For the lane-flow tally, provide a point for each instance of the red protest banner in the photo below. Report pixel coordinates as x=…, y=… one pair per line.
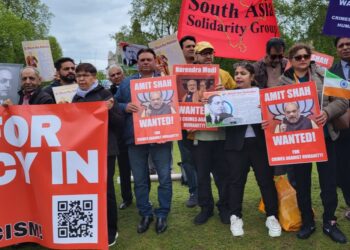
x=192, y=81
x=53, y=173
x=158, y=120
x=292, y=136
x=237, y=29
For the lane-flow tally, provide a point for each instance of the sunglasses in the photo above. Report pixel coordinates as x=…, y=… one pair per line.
x=274, y=57
x=300, y=57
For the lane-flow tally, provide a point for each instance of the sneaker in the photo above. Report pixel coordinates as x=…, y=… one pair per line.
x=274, y=226
x=306, y=231
x=114, y=241
x=192, y=200
x=203, y=216
x=334, y=232
x=236, y=226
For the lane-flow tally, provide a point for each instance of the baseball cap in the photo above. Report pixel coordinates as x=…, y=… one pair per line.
x=200, y=46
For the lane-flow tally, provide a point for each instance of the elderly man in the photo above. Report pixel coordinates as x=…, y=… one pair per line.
x=65, y=72
x=138, y=154
x=208, y=151
x=217, y=110
x=130, y=56
x=271, y=67
x=293, y=120
x=342, y=69
x=116, y=76
x=31, y=92
x=157, y=106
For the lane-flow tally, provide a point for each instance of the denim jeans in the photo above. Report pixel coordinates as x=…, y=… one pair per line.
x=161, y=156
x=188, y=162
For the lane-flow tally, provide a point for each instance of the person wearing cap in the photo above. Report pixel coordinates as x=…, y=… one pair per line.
x=342, y=69
x=208, y=151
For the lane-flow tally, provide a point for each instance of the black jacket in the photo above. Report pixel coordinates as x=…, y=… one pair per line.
x=338, y=70
x=48, y=88
x=38, y=97
x=235, y=137
x=115, y=116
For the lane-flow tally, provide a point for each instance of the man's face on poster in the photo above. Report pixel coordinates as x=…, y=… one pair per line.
x=192, y=86
x=292, y=112
x=156, y=100
x=217, y=106
x=130, y=53
x=5, y=82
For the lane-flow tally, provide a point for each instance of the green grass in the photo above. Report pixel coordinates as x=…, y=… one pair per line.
x=183, y=234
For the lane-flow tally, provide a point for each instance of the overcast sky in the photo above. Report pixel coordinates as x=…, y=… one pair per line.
x=83, y=27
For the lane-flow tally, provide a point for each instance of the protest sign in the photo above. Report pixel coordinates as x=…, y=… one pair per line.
x=168, y=53
x=37, y=54
x=192, y=81
x=65, y=93
x=237, y=29
x=129, y=54
x=53, y=171
x=338, y=18
x=158, y=120
x=292, y=135
x=232, y=107
x=9, y=81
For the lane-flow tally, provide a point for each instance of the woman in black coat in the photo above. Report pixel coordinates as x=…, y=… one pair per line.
x=90, y=91
x=245, y=147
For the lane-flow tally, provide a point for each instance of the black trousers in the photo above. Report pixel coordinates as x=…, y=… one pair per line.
x=209, y=158
x=125, y=173
x=343, y=164
x=112, y=214
x=327, y=179
x=239, y=163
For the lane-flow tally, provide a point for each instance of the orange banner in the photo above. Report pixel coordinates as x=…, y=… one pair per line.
x=53, y=171
x=192, y=81
x=236, y=28
x=158, y=120
x=292, y=135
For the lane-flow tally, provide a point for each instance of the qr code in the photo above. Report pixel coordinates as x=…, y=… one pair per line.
x=75, y=218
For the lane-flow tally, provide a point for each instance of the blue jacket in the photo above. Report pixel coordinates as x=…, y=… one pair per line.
x=123, y=96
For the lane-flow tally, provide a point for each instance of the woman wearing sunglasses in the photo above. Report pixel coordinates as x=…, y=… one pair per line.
x=244, y=147
x=304, y=70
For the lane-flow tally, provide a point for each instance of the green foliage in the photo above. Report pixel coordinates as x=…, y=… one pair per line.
x=101, y=75
x=23, y=20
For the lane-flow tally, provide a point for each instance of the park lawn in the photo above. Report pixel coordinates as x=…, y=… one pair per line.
x=182, y=234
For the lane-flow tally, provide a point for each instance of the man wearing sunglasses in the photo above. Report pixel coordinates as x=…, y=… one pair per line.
x=342, y=69
x=65, y=71
x=271, y=67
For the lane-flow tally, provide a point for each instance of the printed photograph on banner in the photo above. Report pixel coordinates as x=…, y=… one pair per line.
x=168, y=53
x=192, y=81
x=232, y=107
x=129, y=54
x=158, y=119
x=65, y=174
x=37, y=54
x=9, y=82
x=293, y=135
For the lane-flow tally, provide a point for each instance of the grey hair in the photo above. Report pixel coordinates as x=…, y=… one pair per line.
x=36, y=71
x=117, y=66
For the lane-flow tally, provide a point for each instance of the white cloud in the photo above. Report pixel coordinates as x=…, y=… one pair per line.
x=83, y=28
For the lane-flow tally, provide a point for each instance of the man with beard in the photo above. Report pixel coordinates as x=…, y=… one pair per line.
x=157, y=106
x=31, y=92
x=65, y=70
x=293, y=120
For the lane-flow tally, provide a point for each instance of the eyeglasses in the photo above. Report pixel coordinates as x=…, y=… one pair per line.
x=300, y=57
x=342, y=45
x=82, y=75
x=274, y=57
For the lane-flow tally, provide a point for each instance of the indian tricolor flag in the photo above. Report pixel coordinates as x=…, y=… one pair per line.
x=336, y=86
